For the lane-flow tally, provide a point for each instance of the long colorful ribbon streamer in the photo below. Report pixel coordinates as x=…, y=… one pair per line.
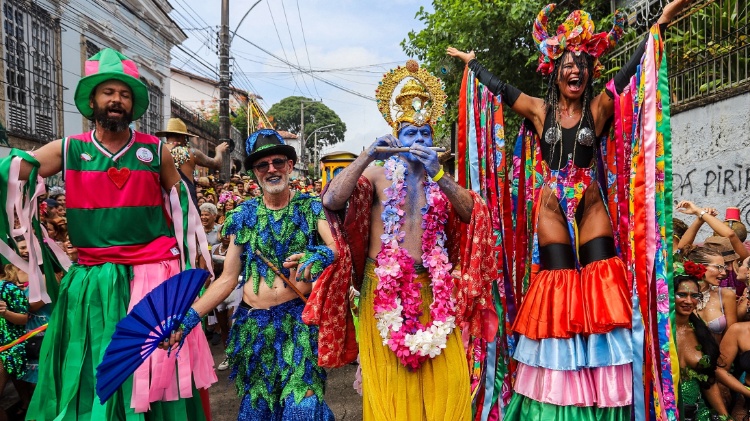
x=28, y=335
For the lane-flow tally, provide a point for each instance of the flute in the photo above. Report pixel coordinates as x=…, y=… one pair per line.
x=397, y=150
x=280, y=275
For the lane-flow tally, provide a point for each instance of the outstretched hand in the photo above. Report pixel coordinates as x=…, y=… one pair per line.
x=465, y=57
x=223, y=146
x=672, y=9
x=292, y=263
x=388, y=141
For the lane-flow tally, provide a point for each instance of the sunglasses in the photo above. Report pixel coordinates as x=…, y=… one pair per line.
x=277, y=163
x=720, y=268
x=684, y=295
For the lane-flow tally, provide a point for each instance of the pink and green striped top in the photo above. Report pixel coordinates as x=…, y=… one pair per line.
x=115, y=205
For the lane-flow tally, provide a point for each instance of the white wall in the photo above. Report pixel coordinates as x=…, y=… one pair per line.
x=194, y=93
x=198, y=94
x=711, y=157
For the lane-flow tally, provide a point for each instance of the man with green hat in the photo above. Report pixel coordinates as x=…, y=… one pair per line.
x=115, y=178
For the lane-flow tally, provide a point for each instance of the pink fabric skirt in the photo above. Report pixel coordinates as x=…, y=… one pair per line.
x=604, y=387
x=162, y=377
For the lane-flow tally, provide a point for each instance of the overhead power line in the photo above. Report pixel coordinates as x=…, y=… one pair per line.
x=286, y=58
x=326, y=81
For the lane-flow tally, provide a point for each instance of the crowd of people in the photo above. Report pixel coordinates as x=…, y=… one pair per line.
x=712, y=316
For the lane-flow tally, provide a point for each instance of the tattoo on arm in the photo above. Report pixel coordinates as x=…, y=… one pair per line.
x=459, y=197
x=343, y=184
x=204, y=161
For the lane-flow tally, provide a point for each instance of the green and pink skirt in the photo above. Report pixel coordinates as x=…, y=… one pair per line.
x=92, y=300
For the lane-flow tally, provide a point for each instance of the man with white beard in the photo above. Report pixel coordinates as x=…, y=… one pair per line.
x=272, y=354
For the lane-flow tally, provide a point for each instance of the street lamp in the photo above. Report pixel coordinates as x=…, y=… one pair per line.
x=242, y=20
x=303, y=140
x=317, y=152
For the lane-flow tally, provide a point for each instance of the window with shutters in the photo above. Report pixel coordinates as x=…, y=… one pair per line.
x=32, y=71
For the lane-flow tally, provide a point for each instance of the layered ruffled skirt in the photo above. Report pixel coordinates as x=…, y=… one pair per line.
x=575, y=351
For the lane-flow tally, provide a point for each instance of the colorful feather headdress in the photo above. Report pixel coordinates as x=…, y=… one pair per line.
x=576, y=35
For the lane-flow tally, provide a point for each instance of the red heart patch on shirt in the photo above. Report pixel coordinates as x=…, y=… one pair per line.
x=119, y=177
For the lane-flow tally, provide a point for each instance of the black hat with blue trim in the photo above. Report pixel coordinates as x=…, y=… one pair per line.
x=266, y=142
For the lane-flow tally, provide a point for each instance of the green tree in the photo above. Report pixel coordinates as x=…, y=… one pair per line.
x=285, y=115
x=238, y=118
x=499, y=31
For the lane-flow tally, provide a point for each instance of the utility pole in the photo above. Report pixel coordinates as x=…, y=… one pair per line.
x=302, y=139
x=224, y=80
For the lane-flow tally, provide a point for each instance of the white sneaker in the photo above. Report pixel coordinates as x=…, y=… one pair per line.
x=224, y=365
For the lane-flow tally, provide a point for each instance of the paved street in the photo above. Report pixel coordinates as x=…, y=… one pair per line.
x=345, y=403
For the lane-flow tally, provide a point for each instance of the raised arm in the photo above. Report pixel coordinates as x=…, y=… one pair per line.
x=342, y=186
x=524, y=105
x=709, y=216
x=604, y=102
x=215, y=162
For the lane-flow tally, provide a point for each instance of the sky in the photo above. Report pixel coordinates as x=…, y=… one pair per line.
x=350, y=43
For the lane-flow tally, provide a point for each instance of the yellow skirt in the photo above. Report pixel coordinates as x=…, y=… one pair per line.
x=438, y=391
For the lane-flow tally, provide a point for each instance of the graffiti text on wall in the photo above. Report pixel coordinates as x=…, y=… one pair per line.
x=719, y=180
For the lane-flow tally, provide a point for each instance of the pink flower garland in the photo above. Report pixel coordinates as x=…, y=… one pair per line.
x=398, y=305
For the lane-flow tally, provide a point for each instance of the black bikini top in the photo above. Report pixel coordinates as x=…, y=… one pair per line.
x=742, y=362
x=577, y=143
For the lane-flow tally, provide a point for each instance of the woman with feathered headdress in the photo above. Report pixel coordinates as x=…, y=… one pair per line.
x=575, y=350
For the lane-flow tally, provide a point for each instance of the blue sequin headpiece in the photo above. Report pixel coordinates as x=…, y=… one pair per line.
x=266, y=142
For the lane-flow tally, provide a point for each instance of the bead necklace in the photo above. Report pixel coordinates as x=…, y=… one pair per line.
x=706, y=296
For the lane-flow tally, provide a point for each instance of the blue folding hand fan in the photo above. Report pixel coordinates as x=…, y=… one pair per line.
x=150, y=321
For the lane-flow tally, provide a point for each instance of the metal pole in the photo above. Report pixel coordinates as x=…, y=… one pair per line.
x=315, y=163
x=224, y=80
x=302, y=134
x=249, y=113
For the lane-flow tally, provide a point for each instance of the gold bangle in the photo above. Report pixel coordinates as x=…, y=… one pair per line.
x=439, y=175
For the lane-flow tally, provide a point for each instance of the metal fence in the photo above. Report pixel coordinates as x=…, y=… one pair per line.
x=707, y=53
x=198, y=123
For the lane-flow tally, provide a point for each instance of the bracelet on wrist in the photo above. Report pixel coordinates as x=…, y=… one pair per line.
x=700, y=215
x=439, y=175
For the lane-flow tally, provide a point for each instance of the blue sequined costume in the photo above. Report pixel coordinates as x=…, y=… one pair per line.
x=272, y=353
x=278, y=234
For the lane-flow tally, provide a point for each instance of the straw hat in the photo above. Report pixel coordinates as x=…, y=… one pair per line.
x=106, y=65
x=174, y=126
x=724, y=245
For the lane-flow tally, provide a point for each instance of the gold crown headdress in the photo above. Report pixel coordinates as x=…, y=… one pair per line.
x=421, y=100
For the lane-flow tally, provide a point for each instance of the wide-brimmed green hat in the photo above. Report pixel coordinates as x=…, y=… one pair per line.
x=106, y=65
